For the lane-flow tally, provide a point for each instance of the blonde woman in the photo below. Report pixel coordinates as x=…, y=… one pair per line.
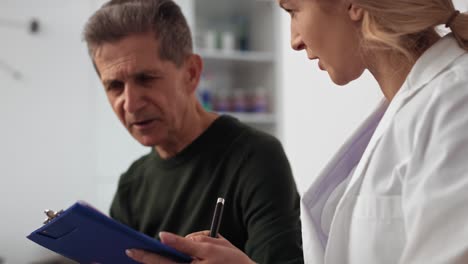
x=397, y=190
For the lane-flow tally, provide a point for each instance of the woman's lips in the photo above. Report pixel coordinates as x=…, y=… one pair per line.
x=321, y=66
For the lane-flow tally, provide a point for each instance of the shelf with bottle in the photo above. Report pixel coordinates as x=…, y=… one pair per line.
x=251, y=105
x=238, y=47
x=235, y=55
x=233, y=31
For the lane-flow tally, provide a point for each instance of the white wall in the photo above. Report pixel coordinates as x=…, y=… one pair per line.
x=56, y=145
x=46, y=155
x=461, y=5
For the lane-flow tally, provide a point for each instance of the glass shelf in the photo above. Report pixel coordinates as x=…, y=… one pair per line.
x=236, y=55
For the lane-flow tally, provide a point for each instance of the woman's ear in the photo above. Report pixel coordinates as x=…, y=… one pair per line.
x=355, y=12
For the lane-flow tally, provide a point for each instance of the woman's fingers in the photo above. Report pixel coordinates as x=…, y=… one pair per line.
x=200, y=233
x=203, y=236
x=203, y=249
x=184, y=245
x=198, y=246
x=211, y=240
x=146, y=257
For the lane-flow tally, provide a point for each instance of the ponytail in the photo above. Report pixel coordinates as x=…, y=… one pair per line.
x=458, y=24
x=404, y=25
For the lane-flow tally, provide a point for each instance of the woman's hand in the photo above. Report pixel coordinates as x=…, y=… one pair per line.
x=203, y=249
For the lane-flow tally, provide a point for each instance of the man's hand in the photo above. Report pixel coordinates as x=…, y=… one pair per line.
x=203, y=249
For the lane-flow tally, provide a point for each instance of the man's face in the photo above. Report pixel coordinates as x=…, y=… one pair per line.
x=149, y=95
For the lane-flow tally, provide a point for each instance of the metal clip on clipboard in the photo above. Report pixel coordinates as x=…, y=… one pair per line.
x=51, y=215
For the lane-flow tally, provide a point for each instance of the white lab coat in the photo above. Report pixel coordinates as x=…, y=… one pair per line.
x=397, y=191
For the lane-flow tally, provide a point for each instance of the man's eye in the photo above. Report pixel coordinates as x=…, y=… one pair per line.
x=145, y=79
x=115, y=85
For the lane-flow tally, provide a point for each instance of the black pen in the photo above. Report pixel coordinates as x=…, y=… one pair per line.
x=216, y=222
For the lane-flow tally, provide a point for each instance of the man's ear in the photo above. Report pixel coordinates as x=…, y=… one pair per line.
x=355, y=12
x=194, y=68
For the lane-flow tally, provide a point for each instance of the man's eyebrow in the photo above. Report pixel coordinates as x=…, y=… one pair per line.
x=148, y=72
x=109, y=81
x=136, y=74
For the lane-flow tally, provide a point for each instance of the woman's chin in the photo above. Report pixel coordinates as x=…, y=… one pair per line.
x=343, y=79
x=339, y=81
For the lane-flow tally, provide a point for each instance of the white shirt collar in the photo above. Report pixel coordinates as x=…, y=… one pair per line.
x=434, y=61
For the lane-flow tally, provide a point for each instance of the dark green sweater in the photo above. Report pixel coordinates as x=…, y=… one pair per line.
x=231, y=160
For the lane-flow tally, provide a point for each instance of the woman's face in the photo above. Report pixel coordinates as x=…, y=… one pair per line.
x=328, y=32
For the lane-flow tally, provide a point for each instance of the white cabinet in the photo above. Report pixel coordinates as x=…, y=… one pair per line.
x=236, y=40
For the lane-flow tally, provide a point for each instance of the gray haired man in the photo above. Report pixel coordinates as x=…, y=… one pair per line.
x=142, y=52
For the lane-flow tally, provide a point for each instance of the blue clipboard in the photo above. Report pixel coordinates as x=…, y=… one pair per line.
x=86, y=235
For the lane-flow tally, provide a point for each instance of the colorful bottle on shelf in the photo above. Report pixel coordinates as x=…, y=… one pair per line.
x=205, y=92
x=259, y=100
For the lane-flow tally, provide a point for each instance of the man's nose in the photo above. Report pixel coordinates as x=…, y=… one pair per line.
x=134, y=98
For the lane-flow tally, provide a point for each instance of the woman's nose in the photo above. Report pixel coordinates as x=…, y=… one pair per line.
x=296, y=42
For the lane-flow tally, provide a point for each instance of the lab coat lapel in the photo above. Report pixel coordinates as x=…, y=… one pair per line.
x=379, y=131
x=336, y=250
x=425, y=69
x=314, y=199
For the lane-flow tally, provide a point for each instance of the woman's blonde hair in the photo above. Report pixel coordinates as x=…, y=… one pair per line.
x=404, y=25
